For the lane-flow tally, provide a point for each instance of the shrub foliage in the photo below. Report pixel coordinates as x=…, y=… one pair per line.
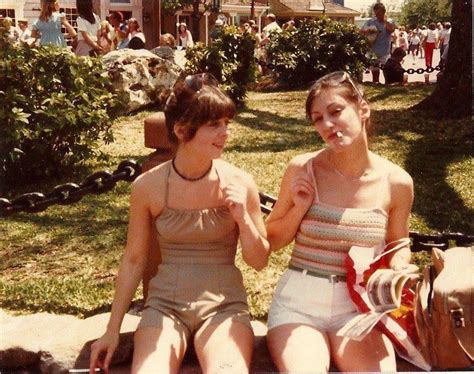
x=315, y=48
x=230, y=58
x=55, y=107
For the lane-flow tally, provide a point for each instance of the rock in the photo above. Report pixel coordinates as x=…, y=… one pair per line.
x=173, y=55
x=141, y=74
x=56, y=343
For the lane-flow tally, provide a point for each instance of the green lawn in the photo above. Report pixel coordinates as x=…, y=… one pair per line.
x=64, y=260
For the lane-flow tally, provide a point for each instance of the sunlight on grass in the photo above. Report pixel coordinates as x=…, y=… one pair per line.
x=65, y=259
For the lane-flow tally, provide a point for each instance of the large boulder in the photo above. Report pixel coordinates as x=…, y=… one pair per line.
x=142, y=75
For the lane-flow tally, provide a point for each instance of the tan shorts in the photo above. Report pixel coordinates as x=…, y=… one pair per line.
x=191, y=297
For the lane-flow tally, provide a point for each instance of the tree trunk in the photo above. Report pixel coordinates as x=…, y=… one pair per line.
x=452, y=98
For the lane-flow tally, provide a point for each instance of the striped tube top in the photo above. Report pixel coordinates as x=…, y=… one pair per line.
x=327, y=233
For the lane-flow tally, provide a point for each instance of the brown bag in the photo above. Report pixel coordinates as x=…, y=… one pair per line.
x=444, y=310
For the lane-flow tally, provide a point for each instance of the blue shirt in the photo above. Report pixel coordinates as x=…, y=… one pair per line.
x=50, y=30
x=381, y=46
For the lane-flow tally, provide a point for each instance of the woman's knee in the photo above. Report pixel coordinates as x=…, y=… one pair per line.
x=298, y=348
x=158, y=350
x=225, y=347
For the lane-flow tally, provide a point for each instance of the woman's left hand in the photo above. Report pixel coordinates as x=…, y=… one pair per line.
x=235, y=197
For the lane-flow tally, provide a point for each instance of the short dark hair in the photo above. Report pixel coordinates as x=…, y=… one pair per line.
x=399, y=52
x=192, y=109
x=378, y=6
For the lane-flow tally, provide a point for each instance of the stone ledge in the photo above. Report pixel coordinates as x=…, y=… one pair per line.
x=53, y=344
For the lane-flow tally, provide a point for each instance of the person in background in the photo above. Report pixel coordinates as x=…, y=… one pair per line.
x=270, y=28
x=393, y=71
x=48, y=27
x=88, y=28
x=105, y=40
x=430, y=44
x=217, y=30
x=13, y=34
x=330, y=200
x=185, y=39
x=382, y=28
x=414, y=47
x=402, y=39
x=199, y=206
x=119, y=32
x=25, y=33
x=135, y=36
x=445, y=35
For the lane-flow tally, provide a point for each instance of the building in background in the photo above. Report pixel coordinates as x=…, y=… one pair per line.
x=154, y=22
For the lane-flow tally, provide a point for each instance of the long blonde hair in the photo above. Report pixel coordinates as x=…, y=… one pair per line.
x=47, y=9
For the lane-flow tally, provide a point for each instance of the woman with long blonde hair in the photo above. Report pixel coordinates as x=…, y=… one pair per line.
x=47, y=28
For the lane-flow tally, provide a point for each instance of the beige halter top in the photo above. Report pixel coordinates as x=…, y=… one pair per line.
x=196, y=236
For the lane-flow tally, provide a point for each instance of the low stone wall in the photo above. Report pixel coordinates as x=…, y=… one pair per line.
x=54, y=344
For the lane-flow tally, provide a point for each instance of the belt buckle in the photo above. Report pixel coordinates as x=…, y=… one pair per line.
x=334, y=278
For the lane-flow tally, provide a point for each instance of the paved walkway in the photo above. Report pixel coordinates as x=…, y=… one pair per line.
x=408, y=64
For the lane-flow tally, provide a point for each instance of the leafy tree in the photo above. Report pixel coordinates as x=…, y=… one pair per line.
x=315, y=48
x=423, y=12
x=230, y=58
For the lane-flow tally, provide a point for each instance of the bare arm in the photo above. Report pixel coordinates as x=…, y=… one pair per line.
x=89, y=41
x=390, y=27
x=241, y=197
x=296, y=196
x=70, y=30
x=255, y=247
x=139, y=240
x=399, y=216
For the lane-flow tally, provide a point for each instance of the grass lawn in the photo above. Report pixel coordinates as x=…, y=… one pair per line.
x=65, y=259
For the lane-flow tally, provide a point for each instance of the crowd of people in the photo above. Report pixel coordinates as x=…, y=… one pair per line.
x=391, y=44
x=93, y=36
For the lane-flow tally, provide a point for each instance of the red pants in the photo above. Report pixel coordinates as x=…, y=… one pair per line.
x=429, y=48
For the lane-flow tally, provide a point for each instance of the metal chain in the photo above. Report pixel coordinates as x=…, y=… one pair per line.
x=70, y=193
x=415, y=71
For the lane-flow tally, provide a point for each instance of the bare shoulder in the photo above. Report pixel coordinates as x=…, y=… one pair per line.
x=151, y=181
x=399, y=180
x=298, y=163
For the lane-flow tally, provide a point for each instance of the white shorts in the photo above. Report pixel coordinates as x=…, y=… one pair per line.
x=306, y=299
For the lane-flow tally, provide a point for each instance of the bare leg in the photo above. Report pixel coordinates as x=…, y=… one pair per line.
x=374, y=353
x=224, y=347
x=299, y=348
x=158, y=350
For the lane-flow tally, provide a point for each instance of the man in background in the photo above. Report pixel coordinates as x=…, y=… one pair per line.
x=380, y=28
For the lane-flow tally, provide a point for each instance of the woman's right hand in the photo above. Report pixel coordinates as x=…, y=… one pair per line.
x=302, y=191
x=107, y=344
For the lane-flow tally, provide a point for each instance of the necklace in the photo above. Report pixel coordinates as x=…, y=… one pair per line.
x=187, y=178
x=342, y=175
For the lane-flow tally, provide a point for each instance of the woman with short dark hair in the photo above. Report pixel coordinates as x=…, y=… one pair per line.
x=198, y=206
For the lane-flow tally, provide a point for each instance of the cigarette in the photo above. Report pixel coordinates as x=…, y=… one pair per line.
x=82, y=370
x=339, y=134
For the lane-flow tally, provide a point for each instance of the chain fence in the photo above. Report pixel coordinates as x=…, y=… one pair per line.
x=128, y=170
x=70, y=193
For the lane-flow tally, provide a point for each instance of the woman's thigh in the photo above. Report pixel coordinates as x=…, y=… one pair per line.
x=299, y=348
x=374, y=353
x=158, y=350
x=224, y=347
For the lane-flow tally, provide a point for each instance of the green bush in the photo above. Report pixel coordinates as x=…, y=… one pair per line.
x=315, y=48
x=230, y=58
x=55, y=109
